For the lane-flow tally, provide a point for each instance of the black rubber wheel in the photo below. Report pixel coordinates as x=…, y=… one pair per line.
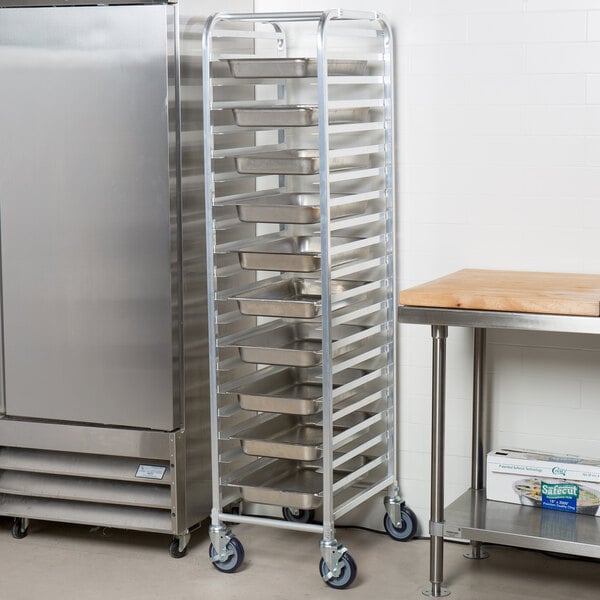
x=295, y=515
x=18, y=531
x=174, y=551
x=408, y=529
x=347, y=575
x=233, y=563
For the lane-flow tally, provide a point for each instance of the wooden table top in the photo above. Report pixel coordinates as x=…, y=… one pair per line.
x=512, y=291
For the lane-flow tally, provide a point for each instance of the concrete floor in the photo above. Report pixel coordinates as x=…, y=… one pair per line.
x=74, y=562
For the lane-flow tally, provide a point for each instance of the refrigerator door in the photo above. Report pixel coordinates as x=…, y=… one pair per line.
x=86, y=214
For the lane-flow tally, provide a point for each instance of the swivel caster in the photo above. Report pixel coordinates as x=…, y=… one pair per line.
x=408, y=529
x=233, y=562
x=174, y=551
x=347, y=574
x=20, y=528
x=296, y=515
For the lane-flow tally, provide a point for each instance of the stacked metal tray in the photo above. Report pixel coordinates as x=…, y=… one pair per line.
x=297, y=254
x=294, y=297
x=292, y=67
x=291, y=394
x=294, y=115
x=289, y=436
x=284, y=483
x=296, y=161
x=290, y=344
x=290, y=390
x=292, y=207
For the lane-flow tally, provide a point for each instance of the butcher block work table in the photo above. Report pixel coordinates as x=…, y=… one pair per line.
x=513, y=291
x=482, y=300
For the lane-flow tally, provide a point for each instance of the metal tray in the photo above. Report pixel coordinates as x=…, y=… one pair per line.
x=293, y=208
x=292, y=67
x=295, y=115
x=291, y=298
x=284, y=483
x=300, y=254
x=289, y=344
x=289, y=436
x=295, y=162
x=291, y=391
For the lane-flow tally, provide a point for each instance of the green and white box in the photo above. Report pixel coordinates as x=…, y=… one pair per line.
x=569, y=483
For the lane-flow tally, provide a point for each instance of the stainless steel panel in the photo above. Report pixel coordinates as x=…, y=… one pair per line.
x=85, y=214
x=193, y=475
x=90, y=440
x=81, y=465
x=102, y=48
x=101, y=515
x=293, y=67
x=82, y=489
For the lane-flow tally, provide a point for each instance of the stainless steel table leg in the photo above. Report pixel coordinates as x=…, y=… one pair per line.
x=478, y=432
x=439, y=334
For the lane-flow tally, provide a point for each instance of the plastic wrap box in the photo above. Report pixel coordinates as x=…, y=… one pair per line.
x=568, y=483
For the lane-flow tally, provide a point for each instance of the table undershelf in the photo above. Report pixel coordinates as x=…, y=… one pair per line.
x=473, y=517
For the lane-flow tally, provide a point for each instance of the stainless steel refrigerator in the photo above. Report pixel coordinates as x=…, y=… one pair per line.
x=104, y=390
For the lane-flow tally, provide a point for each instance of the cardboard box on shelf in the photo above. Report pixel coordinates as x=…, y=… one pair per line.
x=544, y=480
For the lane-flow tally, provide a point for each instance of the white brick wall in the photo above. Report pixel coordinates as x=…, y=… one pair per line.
x=498, y=110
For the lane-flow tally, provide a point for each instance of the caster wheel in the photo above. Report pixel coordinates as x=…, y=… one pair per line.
x=233, y=563
x=408, y=529
x=18, y=531
x=346, y=576
x=174, y=551
x=295, y=515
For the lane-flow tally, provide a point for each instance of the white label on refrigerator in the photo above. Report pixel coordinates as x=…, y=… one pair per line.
x=150, y=472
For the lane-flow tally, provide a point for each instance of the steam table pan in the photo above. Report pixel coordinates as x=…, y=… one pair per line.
x=291, y=391
x=289, y=344
x=293, y=67
x=293, y=208
x=296, y=254
x=286, y=483
x=295, y=162
x=289, y=436
x=290, y=298
x=295, y=115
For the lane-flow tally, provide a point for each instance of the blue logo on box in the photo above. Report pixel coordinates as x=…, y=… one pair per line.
x=560, y=496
